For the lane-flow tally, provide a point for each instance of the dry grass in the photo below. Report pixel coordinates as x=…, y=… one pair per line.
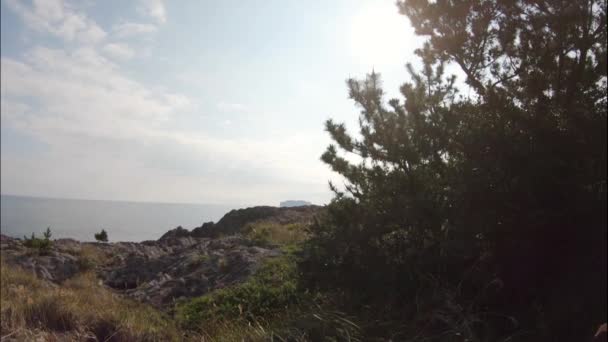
x=230, y=331
x=79, y=308
x=90, y=256
x=276, y=233
x=298, y=324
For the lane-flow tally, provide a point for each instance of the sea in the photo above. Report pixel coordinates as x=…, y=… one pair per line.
x=81, y=219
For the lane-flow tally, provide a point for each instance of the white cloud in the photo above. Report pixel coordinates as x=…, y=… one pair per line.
x=12, y=111
x=154, y=9
x=178, y=100
x=119, y=51
x=116, y=135
x=108, y=135
x=83, y=92
x=57, y=18
x=130, y=29
x=231, y=107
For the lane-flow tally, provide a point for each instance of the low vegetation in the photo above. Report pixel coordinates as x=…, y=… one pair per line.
x=90, y=257
x=273, y=233
x=273, y=288
x=269, y=305
x=77, y=310
x=41, y=246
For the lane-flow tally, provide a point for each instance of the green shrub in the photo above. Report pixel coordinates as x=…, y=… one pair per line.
x=504, y=185
x=199, y=259
x=42, y=246
x=101, y=236
x=269, y=306
x=272, y=288
x=270, y=233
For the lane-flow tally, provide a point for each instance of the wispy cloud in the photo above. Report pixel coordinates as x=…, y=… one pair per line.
x=154, y=9
x=57, y=18
x=83, y=92
x=231, y=107
x=131, y=29
x=116, y=131
x=119, y=51
x=112, y=135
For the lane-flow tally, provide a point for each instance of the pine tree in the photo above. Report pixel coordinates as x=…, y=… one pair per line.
x=101, y=236
x=512, y=176
x=47, y=234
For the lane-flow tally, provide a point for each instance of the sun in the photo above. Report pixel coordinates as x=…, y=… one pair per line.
x=380, y=37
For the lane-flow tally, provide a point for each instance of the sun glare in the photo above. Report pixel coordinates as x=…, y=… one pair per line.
x=380, y=37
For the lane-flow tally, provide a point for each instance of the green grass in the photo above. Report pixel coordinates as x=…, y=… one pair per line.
x=41, y=246
x=271, y=289
x=270, y=233
x=270, y=305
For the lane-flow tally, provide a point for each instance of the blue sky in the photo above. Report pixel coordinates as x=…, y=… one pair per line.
x=185, y=101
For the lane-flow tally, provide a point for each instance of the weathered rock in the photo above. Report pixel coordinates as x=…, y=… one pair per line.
x=181, y=264
x=156, y=272
x=186, y=272
x=175, y=233
x=236, y=221
x=55, y=265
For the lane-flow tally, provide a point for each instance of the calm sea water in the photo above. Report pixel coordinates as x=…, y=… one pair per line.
x=80, y=219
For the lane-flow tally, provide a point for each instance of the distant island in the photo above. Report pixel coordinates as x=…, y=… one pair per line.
x=294, y=203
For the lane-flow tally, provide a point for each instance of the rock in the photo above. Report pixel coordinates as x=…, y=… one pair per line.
x=155, y=272
x=175, y=233
x=204, y=230
x=236, y=221
x=187, y=272
x=181, y=264
x=55, y=265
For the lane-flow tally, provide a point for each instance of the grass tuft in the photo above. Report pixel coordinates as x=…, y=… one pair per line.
x=271, y=233
x=80, y=306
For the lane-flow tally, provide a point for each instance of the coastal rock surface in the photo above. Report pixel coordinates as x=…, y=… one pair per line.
x=55, y=265
x=181, y=264
x=156, y=272
x=236, y=221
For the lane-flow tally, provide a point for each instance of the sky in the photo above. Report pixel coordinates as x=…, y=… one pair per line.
x=186, y=101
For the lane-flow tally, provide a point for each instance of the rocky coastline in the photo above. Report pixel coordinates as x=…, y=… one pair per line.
x=181, y=264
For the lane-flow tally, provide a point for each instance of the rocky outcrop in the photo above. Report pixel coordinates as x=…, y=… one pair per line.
x=186, y=272
x=175, y=233
x=54, y=265
x=236, y=221
x=157, y=272
x=181, y=264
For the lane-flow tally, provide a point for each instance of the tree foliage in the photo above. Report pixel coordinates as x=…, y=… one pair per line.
x=43, y=245
x=101, y=236
x=505, y=186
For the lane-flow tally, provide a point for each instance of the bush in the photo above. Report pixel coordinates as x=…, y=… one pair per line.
x=270, y=233
x=268, y=306
x=90, y=256
x=272, y=288
x=504, y=186
x=43, y=245
x=101, y=236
